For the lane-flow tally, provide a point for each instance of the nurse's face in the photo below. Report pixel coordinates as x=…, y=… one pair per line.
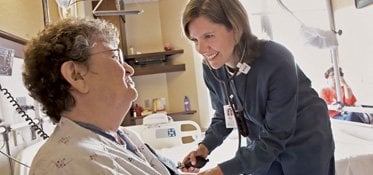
x=213, y=41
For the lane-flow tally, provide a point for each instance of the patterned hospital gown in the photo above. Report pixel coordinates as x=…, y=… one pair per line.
x=72, y=149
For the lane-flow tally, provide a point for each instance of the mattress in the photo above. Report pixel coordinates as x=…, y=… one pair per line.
x=354, y=147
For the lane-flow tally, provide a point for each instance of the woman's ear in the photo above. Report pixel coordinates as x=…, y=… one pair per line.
x=72, y=74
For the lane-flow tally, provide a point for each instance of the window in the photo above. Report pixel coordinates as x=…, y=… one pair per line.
x=268, y=15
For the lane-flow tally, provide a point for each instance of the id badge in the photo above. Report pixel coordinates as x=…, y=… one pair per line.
x=230, y=121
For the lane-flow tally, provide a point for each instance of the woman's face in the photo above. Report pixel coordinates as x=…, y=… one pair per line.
x=330, y=80
x=108, y=77
x=213, y=41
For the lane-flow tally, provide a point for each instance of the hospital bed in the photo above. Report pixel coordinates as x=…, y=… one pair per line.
x=353, y=154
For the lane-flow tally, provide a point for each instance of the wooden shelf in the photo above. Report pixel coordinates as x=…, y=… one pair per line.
x=172, y=114
x=157, y=68
x=154, y=63
x=181, y=113
x=153, y=54
x=9, y=40
x=12, y=38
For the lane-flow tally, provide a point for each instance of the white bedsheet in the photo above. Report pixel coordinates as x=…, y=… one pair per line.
x=353, y=153
x=26, y=156
x=354, y=150
x=354, y=147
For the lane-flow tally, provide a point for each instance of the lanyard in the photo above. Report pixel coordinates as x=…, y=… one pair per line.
x=238, y=114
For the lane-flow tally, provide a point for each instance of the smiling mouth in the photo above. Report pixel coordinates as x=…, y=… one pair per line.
x=209, y=57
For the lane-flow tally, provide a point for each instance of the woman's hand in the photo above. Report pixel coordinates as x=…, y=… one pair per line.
x=343, y=82
x=191, y=157
x=213, y=171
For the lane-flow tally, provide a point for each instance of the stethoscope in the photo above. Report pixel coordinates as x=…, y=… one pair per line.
x=242, y=67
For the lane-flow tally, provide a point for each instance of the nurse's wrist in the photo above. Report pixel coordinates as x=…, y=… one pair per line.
x=203, y=150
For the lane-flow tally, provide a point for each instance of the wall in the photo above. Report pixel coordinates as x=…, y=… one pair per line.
x=355, y=47
x=159, y=24
x=24, y=18
x=190, y=82
x=144, y=40
x=144, y=30
x=21, y=24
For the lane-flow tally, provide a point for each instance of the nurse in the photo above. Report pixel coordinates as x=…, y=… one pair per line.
x=286, y=123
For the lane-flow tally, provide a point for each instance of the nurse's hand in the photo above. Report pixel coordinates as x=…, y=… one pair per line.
x=213, y=171
x=191, y=157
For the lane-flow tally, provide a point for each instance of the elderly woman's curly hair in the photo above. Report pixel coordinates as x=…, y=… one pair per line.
x=69, y=39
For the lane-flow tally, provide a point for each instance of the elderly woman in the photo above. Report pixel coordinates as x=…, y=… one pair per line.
x=76, y=70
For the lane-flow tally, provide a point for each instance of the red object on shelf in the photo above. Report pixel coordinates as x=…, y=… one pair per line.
x=138, y=110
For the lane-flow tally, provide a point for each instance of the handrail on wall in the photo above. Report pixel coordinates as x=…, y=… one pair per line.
x=12, y=37
x=17, y=43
